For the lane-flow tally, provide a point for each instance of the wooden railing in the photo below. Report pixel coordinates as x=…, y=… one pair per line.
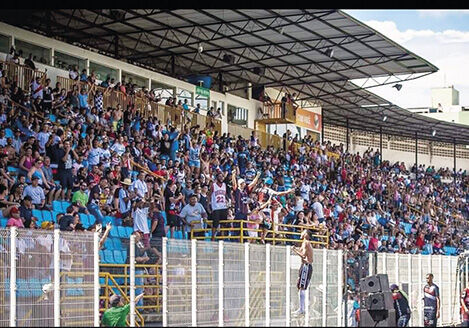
x=23, y=75
x=146, y=107
x=275, y=111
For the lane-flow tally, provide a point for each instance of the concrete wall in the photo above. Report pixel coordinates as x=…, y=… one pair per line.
x=445, y=96
x=409, y=158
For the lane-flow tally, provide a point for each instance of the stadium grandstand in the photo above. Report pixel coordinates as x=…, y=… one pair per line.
x=182, y=153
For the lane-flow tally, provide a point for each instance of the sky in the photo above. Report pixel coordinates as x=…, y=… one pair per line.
x=439, y=36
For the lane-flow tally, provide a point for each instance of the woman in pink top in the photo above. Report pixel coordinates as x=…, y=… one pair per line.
x=27, y=161
x=15, y=219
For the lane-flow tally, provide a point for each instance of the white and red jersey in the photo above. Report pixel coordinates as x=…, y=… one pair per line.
x=218, y=199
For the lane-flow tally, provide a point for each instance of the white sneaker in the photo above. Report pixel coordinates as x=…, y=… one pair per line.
x=298, y=313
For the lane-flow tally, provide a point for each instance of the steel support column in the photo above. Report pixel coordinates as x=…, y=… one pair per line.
x=380, y=144
x=322, y=125
x=454, y=158
x=347, y=136
x=416, y=154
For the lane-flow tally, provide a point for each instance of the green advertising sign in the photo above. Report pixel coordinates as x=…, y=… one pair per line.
x=201, y=91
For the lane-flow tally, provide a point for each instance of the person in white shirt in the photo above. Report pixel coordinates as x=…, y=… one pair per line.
x=43, y=138
x=318, y=208
x=305, y=189
x=36, y=88
x=140, y=216
x=139, y=186
x=94, y=156
x=118, y=146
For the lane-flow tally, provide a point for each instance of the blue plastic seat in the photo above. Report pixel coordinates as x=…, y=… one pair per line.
x=79, y=290
x=54, y=215
x=108, y=219
x=57, y=206
x=36, y=287
x=12, y=169
x=102, y=281
x=124, y=254
x=365, y=243
x=108, y=256
x=121, y=232
x=108, y=244
x=129, y=231
x=9, y=133
x=178, y=234
x=84, y=220
x=118, y=258
x=23, y=289
x=3, y=222
x=450, y=250
x=117, y=243
x=47, y=216
x=65, y=205
x=37, y=214
x=114, y=232
x=163, y=214
x=91, y=219
x=101, y=256
x=52, y=118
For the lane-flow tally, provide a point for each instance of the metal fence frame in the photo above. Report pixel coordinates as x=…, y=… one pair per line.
x=13, y=237
x=323, y=306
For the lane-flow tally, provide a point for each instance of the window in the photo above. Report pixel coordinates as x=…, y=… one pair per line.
x=141, y=82
x=4, y=43
x=237, y=115
x=183, y=94
x=162, y=90
x=64, y=61
x=221, y=105
x=40, y=54
x=203, y=101
x=102, y=72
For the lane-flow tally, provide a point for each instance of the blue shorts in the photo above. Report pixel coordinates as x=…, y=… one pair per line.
x=194, y=163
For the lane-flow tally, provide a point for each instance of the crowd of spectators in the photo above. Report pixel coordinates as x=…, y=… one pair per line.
x=88, y=156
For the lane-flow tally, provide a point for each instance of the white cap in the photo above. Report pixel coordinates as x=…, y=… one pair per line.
x=241, y=181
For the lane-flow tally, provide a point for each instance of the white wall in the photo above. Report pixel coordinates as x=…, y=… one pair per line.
x=72, y=50
x=409, y=158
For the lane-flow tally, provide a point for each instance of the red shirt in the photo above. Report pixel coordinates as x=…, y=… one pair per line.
x=465, y=298
x=419, y=242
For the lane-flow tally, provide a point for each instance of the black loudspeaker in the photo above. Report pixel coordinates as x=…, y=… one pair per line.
x=378, y=318
x=379, y=301
x=374, y=284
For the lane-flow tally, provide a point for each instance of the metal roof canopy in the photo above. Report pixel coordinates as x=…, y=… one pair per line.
x=292, y=48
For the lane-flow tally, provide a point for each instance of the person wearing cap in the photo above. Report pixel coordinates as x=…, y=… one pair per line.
x=241, y=197
x=401, y=305
x=116, y=315
x=80, y=197
x=26, y=211
x=36, y=193
x=125, y=203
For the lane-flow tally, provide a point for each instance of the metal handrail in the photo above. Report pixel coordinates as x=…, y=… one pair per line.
x=320, y=233
x=108, y=277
